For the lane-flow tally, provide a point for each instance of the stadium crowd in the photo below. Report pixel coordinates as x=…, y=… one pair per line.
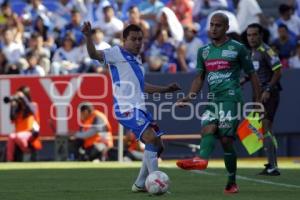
x=42, y=37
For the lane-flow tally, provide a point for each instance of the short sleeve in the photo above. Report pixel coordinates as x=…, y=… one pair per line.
x=112, y=55
x=245, y=60
x=200, y=61
x=274, y=60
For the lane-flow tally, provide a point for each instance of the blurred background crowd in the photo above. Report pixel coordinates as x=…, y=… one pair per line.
x=43, y=37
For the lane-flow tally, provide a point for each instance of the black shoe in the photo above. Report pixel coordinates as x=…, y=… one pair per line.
x=269, y=171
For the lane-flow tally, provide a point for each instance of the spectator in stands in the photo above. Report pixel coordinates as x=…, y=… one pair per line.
x=168, y=20
x=203, y=8
x=94, y=13
x=94, y=138
x=134, y=17
x=10, y=20
x=11, y=49
x=149, y=10
x=25, y=116
x=40, y=27
x=160, y=56
x=191, y=44
x=62, y=15
x=33, y=68
x=287, y=18
x=125, y=7
x=74, y=26
x=36, y=44
x=183, y=10
x=248, y=12
x=294, y=62
x=3, y=64
x=284, y=45
x=67, y=58
x=95, y=10
x=99, y=43
x=111, y=26
x=34, y=9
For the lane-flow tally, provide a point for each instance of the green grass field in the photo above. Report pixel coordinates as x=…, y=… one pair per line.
x=109, y=181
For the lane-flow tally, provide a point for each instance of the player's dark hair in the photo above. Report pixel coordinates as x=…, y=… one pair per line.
x=131, y=28
x=258, y=26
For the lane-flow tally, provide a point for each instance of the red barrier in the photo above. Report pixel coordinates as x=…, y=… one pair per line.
x=58, y=98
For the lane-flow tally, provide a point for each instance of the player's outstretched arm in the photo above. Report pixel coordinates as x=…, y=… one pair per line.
x=93, y=53
x=195, y=88
x=173, y=87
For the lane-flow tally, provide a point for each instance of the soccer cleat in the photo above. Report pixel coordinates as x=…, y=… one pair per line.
x=137, y=189
x=231, y=189
x=195, y=163
x=268, y=171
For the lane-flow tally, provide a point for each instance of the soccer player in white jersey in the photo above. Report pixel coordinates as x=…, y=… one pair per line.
x=127, y=76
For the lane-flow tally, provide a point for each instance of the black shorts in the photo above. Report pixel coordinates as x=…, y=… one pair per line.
x=271, y=105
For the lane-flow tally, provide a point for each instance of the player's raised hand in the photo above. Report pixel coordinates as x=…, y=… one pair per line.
x=87, y=29
x=173, y=87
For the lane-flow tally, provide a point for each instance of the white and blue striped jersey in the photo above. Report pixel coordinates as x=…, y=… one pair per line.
x=127, y=74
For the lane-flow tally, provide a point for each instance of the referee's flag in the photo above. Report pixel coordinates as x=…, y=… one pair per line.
x=250, y=132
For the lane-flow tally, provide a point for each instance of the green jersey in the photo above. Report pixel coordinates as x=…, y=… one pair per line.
x=222, y=65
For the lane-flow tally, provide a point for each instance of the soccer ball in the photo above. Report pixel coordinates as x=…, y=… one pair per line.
x=157, y=183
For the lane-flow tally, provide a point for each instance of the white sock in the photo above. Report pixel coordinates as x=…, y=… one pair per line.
x=151, y=160
x=140, y=180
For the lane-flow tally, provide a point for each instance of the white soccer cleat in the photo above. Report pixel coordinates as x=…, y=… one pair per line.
x=136, y=189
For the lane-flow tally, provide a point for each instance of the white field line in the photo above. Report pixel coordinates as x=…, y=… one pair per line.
x=250, y=179
x=267, y=182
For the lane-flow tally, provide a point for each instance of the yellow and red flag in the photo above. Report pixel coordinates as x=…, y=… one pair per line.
x=250, y=132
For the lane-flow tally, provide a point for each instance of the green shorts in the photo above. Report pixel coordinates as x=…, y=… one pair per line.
x=225, y=115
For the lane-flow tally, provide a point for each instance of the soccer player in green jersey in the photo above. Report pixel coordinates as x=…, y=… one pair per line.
x=221, y=61
x=268, y=68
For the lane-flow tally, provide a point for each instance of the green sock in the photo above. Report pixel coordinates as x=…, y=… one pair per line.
x=230, y=162
x=207, y=145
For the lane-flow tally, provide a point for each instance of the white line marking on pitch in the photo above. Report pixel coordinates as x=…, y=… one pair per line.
x=267, y=182
x=249, y=179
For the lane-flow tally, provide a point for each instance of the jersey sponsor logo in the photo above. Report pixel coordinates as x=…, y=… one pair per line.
x=205, y=53
x=224, y=125
x=217, y=64
x=217, y=76
x=229, y=54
